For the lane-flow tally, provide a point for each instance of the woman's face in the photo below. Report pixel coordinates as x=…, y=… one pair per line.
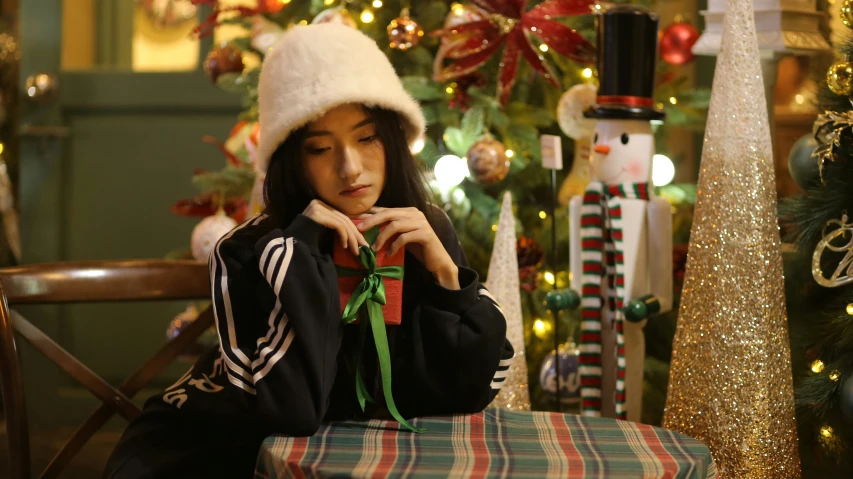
x=345, y=159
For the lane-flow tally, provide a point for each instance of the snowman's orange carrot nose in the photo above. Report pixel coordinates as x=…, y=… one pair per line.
x=603, y=149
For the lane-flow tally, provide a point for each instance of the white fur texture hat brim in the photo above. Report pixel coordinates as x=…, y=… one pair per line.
x=315, y=68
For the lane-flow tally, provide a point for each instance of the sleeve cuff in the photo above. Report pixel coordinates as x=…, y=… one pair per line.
x=455, y=301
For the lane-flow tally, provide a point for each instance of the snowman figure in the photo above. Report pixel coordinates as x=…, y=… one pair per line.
x=621, y=234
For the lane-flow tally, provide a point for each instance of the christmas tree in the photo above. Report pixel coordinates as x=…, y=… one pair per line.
x=492, y=76
x=819, y=286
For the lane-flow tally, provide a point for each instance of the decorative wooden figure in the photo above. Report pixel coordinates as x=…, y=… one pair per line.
x=621, y=234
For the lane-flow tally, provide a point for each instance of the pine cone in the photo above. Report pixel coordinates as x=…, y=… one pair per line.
x=530, y=253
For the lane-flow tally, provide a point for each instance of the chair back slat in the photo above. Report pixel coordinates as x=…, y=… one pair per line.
x=105, y=281
x=132, y=385
x=77, y=370
x=87, y=282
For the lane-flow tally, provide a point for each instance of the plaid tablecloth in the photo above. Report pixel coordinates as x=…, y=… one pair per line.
x=494, y=443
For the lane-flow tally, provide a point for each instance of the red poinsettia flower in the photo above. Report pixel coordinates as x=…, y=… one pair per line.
x=212, y=21
x=473, y=43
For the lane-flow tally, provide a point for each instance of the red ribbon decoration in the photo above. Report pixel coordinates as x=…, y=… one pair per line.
x=473, y=43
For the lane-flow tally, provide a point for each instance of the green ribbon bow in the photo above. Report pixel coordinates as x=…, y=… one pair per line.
x=369, y=296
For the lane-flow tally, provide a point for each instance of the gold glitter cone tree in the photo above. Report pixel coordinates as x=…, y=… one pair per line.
x=730, y=383
x=503, y=283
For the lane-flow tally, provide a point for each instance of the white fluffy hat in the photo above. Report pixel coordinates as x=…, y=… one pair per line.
x=315, y=68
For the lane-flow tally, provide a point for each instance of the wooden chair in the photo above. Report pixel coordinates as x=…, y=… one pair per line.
x=87, y=282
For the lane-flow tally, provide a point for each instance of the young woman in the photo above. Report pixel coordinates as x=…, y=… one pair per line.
x=336, y=123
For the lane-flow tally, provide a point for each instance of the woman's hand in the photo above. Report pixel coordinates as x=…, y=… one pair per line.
x=416, y=234
x=323, y=214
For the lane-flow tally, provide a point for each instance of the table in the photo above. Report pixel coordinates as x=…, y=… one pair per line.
x=493, y=443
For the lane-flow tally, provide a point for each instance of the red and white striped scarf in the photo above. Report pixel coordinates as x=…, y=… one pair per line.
x=602, y=255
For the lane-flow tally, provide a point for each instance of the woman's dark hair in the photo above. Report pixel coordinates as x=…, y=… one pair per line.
x=287, y=192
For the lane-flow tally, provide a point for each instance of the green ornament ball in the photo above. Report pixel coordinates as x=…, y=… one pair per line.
x=636, y=311
x=562, y=299
x=554, y=300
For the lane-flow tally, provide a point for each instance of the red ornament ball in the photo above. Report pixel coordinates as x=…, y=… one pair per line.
x=271, y=6
x=676, y=42
x=223, y=60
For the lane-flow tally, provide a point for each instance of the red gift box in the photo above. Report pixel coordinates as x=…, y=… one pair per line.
x=393, y=308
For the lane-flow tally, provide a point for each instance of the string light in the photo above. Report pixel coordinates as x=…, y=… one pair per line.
x=367, y=16
x=587, y=73
x=303, y=22
x=850, y=309
x=458, y=8
x=543, y=47
x=494, y=228
x=663, y=171
x=817, y=366
x=377, y=3
x=673, y=100
x=449, y=90
x=541, y=328
x=325, y=2
x=826, y=431
x=549, y=277
x=418, y=144
x=449, y=171
x=510, y=153
x=543, y=215
x=799, y=99
x=834, y=375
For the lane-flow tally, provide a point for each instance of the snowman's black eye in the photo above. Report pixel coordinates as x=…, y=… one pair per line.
x=624, y=138
x=595, y=139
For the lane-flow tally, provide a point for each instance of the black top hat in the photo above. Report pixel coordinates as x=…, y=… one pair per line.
x=627, y=50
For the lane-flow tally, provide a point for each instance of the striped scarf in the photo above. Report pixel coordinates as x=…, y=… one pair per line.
x=602, y=255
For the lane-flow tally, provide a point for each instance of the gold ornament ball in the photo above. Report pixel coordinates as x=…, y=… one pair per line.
x=847, y=13
x=839, y=78
x=404, y=33
x=487, y=161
